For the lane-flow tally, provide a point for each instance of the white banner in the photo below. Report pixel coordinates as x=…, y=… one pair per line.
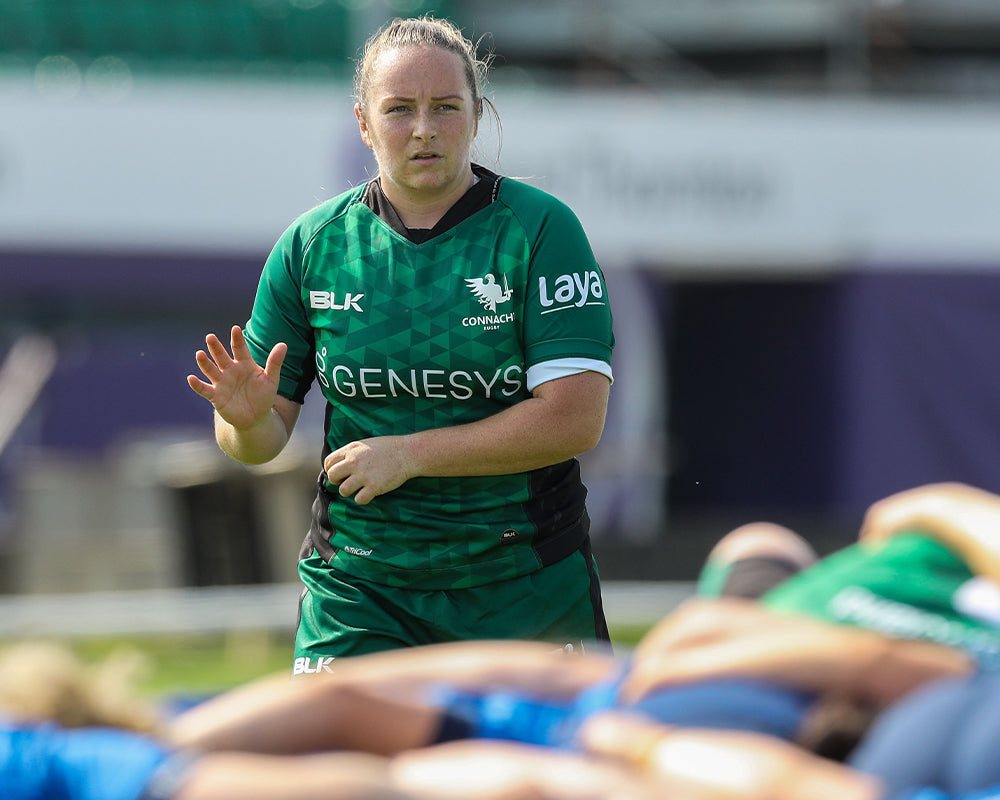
x=686, y=181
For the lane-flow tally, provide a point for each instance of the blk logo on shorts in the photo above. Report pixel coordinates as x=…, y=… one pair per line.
x=303, y=666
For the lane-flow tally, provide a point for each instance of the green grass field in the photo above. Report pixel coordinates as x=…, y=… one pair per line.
x=206, y=664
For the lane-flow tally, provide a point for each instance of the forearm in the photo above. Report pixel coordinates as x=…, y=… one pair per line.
x=534, y=667
x=326, y=776
x=862, y=665
x=516, y=440
x=383, y=695
x=722, y=765
x=254, y=445
x=789, y=649
x=283, y=717
x=819, y=779
x=262, y=440
x=887, y=669
x=557, y=424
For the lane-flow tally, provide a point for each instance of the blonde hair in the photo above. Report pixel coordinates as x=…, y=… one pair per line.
x=42, y=680
x=425, y=31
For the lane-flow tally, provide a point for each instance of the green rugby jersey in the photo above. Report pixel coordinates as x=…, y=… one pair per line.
x=907, y=586
x=404, y=336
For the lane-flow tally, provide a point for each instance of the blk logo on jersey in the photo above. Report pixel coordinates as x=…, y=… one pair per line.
x=349, y=302
x=571, y=291
x=509, y=536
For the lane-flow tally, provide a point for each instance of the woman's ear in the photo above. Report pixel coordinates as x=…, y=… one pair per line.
x=362, y=125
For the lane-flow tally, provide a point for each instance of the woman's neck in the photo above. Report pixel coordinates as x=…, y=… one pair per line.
x=416, y=211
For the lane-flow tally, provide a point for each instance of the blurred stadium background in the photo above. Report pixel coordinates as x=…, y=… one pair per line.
x=795, y=203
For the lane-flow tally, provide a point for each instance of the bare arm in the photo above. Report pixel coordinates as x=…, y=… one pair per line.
x=262, y=441
x=631, y=758
x=564, y=418
x=950, y=509
x=326, y=776
x=724, y=765
x=377, y=703
x=730, y=637
x=495, y=770
x=252, y=423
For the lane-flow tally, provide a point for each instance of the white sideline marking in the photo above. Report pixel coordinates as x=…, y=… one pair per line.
x=239, y=608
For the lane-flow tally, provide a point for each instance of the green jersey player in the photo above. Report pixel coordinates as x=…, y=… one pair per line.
x=459, y=328
x=926, y=566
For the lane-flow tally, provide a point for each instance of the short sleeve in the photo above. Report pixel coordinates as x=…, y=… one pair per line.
x=567, y=310
x=279, y=316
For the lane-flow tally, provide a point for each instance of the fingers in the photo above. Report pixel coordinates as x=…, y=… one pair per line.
x=353, y=485
x=210, y=371
x=218, y=351
x=199, y=386
x=343, y=471
x=216, y=359
x=363, y=496
x=240, y=349
x=272, y=368
x=208, y=366
x=330, y=462
x=239, y=343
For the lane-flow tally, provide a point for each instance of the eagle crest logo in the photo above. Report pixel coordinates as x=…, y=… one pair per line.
x=488, y=292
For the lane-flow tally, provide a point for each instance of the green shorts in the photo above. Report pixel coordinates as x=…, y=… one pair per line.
x=905, y=587
x=340, y=615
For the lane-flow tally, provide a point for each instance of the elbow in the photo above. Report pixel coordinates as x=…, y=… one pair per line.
x=585, y=438
x=589, y=442
x=567, y=448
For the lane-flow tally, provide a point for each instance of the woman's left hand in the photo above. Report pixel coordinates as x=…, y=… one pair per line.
x=368, y=467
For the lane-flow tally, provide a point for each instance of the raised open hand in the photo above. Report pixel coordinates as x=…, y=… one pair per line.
x=241, y=391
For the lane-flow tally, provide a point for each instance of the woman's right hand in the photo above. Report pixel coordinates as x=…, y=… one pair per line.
x=241, y=391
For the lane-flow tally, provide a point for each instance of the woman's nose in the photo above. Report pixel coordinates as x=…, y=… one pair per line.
x=423, y=126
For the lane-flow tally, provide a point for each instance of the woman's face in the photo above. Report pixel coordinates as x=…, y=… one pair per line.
x=420, y=122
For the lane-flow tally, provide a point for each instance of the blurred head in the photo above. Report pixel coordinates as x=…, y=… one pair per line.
x=419, y=99
x=764, y=540
x=46, y=681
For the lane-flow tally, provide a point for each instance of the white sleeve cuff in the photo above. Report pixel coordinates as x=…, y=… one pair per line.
x=562, y=367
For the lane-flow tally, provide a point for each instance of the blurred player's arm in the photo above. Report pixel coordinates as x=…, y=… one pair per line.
x=323, y=776
x=378, y=703
x=740, y=638
x=724, y=765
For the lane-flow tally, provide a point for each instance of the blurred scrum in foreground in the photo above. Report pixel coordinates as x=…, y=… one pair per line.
x=794, y=202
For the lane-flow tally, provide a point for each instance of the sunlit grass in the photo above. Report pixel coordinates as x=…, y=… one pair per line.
x=209, y=663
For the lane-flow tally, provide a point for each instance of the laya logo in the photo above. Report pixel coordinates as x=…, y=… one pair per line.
x=571, y=291
x=488, y=291
x=303, y=666
x=329, y=300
